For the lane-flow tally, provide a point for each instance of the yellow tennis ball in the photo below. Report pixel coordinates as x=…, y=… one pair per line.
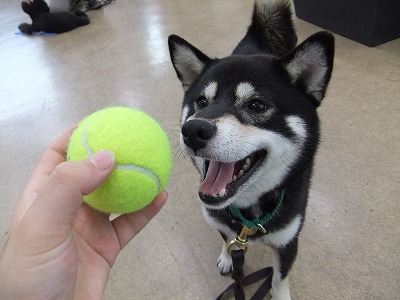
x=142, y=156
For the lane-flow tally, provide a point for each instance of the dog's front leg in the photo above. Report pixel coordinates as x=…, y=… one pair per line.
x=224, y=262
x=282, y=261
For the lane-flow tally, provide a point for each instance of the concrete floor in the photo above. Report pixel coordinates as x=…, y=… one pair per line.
x=350, y=245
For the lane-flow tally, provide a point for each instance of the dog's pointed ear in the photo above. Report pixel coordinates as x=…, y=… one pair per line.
x=310, y=64
x=188, y=61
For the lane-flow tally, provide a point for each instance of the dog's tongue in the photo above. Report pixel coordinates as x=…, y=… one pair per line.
x=219, y=174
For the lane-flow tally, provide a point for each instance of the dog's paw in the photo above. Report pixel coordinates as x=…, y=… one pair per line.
x=280, y=290
x=25, y=28
x=224, y=263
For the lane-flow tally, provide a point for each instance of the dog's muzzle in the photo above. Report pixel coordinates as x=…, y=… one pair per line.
x=221, y=179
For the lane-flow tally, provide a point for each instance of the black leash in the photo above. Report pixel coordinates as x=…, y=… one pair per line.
x=250, y=227
x=242, y=281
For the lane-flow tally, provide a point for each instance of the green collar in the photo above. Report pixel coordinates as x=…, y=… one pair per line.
x=256, y=223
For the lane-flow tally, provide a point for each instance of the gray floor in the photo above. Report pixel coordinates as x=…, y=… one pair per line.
x=350, y=246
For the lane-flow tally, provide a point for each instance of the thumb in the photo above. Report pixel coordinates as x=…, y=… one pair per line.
x=58, y=202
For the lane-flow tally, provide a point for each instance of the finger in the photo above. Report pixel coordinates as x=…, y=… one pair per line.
x=129, y=225
x=53, y=156
x=57, y=204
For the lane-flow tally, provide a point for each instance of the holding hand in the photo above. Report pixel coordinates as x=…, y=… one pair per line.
x=60, y=248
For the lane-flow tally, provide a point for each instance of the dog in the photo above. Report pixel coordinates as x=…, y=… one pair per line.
x=44, y=20
x=249, y=123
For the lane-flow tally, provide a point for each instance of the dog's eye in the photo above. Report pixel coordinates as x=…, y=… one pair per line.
x=202, y=102
x=257, y=105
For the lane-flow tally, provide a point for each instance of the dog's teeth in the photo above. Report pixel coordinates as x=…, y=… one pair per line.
x=247, y=164
x=240, y=174
x=234, y=178
x=222, y=193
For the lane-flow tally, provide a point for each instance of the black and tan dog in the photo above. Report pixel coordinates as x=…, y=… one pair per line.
x=44, y=20
x=250, y=125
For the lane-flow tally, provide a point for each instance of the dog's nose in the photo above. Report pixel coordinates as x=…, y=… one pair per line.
x=196, y=133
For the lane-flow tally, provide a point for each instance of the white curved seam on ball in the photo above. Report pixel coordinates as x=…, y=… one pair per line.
x=141, y=170
x=122, y=167
x=85, y=145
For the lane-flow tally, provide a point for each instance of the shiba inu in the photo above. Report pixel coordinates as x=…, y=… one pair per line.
x=249, y=123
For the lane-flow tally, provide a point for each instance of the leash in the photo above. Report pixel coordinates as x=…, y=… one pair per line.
x=240, y=282
x=250, y=227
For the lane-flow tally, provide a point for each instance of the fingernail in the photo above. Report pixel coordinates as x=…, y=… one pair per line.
x=103, y=160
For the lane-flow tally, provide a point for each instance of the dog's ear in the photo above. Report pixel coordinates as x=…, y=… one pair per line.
x=310, y=64
x=188, y=61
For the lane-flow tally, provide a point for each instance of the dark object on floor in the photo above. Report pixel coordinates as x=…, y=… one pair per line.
x=93, y=4
x=96, y=4
x=44, y=20
x=370, y=22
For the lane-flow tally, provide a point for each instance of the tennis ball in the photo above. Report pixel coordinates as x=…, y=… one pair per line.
x=142, y=156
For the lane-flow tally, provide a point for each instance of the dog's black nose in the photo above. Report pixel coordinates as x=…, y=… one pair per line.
x=196, y=133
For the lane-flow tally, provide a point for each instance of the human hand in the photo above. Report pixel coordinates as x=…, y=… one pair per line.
x=58, y=247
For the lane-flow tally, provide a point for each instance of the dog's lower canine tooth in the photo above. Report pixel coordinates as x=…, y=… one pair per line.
x=240, y=174
x=234, y=178
x=222, y=193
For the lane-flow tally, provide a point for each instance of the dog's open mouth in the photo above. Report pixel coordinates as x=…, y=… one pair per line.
x=222, y=180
